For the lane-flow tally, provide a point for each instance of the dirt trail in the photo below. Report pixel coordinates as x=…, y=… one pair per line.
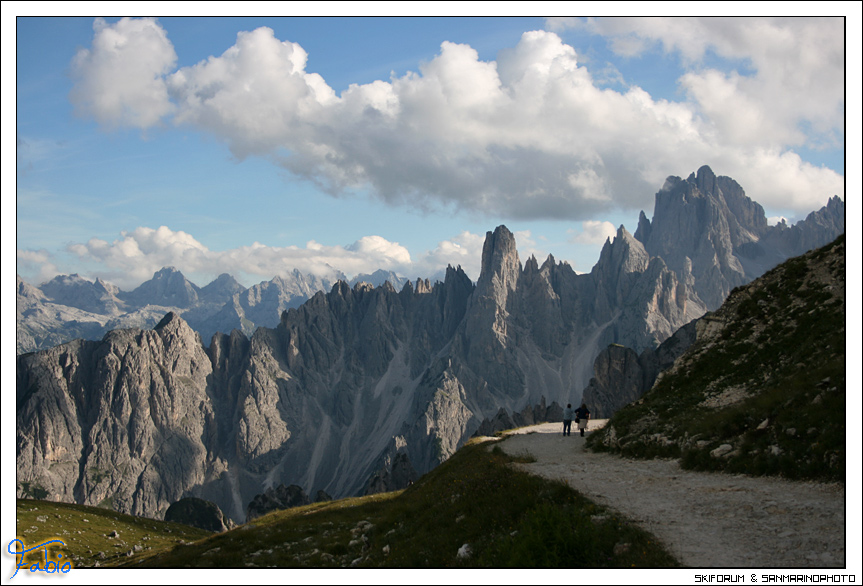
x=706, y=520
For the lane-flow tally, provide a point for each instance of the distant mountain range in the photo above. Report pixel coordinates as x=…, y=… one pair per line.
x=359, y=378
x=70, y=307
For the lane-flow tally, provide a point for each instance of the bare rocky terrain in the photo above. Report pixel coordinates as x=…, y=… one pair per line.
x=706, y=520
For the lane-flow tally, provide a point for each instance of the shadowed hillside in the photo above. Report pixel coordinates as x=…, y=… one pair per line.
x=762, y=389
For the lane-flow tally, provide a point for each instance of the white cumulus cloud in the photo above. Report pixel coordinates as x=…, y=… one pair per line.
x=120, y=80
x=464, y=250
x=794, y=93
x=530, y=135
x=36, y=262
x=593, y=232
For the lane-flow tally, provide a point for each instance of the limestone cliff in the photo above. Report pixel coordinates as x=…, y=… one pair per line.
x=622, y=376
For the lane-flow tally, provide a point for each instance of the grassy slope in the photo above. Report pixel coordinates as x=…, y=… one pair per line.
x=771, y=384
x=86, y=531
x=507, y=517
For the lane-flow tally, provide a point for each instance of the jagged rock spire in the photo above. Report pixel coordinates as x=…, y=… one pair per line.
x=500, y=265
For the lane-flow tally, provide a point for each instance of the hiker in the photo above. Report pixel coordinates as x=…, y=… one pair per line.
x=567, y=419
x=582, y=416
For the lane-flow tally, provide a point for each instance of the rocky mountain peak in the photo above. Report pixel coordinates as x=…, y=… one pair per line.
x=705, y=220
x=66, y=280
x=363, y=287
x=174, y=329
x=531, y=265
x=106, y=286
x=704, y=180
x=76, y=291
x=168, y=287
x=422, y=286
x=455, y=273
x=747, y=220
x=28, y=292
x=223, y=288
x=709, y=225
x=379, y=277
x=831, y=216
x=709, y=201
x=625, y=254
x=171, y=321
x=642, y=233
x=500, y=264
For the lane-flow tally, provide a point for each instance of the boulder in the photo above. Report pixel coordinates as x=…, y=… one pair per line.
x=283, y=497
x=197, y=513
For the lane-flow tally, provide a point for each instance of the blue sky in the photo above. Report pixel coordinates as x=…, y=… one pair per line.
x=257, y=145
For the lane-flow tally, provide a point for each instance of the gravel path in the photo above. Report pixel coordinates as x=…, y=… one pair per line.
x=706, y=520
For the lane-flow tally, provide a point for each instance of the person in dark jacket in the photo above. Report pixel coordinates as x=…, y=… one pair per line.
x=567, y=419
x=582, y=416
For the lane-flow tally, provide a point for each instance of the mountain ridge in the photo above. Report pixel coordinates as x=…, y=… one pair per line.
x=351, y=381
x=735, y=248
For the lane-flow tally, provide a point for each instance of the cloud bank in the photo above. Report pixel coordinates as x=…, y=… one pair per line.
x=530, y=135
x=135, y=256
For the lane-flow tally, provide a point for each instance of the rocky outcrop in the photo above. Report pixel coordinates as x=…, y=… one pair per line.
x=639, y=297
x=197, y=513
x=278, y=499
x=618, y=380
x=694, y=225
x=621, y=376
x=118, y=422
x=396, y=474
x=803, y=236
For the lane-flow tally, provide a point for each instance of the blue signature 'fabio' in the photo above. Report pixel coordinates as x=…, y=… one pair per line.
x=49, y=567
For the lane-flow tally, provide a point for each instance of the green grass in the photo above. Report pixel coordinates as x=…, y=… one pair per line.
x=507, y=517
x=86, y=533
